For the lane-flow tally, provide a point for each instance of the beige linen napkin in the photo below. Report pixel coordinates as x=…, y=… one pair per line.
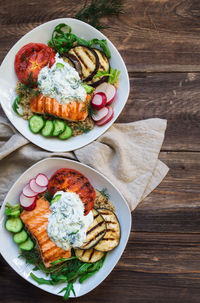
x=127, y=154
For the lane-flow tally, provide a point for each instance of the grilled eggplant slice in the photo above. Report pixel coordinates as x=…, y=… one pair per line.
x=88, y=59
x=112, y=236
x=68, y=60
x=95, y=232
x=104, y=66
x=89, y=255
x=73, y=61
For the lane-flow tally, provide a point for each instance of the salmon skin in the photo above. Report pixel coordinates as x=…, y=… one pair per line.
x=73, y=111
x=36, y=221
x=68, y=179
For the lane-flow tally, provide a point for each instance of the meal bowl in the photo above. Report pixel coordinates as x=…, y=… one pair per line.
x=8, y=78
x=10, y=251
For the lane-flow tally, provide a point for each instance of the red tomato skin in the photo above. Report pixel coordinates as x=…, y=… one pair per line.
x=30, y=59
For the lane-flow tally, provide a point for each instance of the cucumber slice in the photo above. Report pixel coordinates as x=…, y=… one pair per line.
x=48, y=129
x=66, y=134
x=14, y=225
x=27, y=245
x=56, y=199
x=36, y=123
x=20, y=237
x=59, y=127
x=12, y=213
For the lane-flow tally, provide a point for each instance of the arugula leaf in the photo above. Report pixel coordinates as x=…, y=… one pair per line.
x=62, y=40
x=40, y=281
x=103, y=44
x=62, y=260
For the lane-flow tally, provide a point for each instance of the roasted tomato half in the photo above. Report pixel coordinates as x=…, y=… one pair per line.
x=30, y=59
x=67, y=179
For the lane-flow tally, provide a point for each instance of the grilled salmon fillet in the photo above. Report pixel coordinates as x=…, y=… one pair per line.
x=36, y=221
x=74, y=111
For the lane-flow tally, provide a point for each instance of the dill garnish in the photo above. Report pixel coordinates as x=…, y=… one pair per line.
x=105, y=193
x=92, y=12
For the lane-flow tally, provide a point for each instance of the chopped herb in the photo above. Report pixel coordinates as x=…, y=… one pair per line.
x=95, y=10
x=48, y=196
x=105, y=193
x=59, y=65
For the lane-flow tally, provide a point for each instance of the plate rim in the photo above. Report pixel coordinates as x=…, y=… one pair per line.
x=2, y=217
x=30, y=137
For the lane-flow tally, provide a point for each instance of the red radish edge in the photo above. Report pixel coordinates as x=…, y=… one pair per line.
x=100, y=114
x=107, y=118
x=28, y=192
x=108, y=89
x=41, y=180
x=27, y=203
x=35, y=187
x=99, y=100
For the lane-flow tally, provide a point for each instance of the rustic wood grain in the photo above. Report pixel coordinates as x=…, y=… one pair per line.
x=151, y=35
x=175, y=204
x=171, y=96
x=160, y=43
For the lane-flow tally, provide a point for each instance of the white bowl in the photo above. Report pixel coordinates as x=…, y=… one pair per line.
x=8, y=80
x=10, y=251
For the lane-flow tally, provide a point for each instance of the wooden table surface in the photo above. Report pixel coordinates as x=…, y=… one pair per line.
x=159, y=41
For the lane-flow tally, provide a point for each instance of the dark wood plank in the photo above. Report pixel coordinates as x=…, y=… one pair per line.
x=174, y=205
x=151, y=35
x=172, y=96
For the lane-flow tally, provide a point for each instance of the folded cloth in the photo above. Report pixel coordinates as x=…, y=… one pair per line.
x=127, y=154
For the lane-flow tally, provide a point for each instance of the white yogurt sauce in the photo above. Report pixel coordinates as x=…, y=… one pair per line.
x=67, y=224
x=61, y=82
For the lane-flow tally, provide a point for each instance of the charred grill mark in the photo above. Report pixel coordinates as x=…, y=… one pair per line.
x=110, y=222
x=81, y=60
x=60, y=110
x=91, y=255
x=110, y=229
x=83, y=252
x=99, y=234
x=95, y=227
x=108, y=239
x=92, y=58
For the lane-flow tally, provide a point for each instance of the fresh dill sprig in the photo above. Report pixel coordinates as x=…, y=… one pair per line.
x=92, y=12
x=105, y=193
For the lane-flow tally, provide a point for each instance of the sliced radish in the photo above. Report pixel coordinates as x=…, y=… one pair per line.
x=100, y=114
x=28, y=192
x=41, y=180
x=98, y=101
x=107, y=118
x=35, y=187
x=27, y=203
x=108, y=89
